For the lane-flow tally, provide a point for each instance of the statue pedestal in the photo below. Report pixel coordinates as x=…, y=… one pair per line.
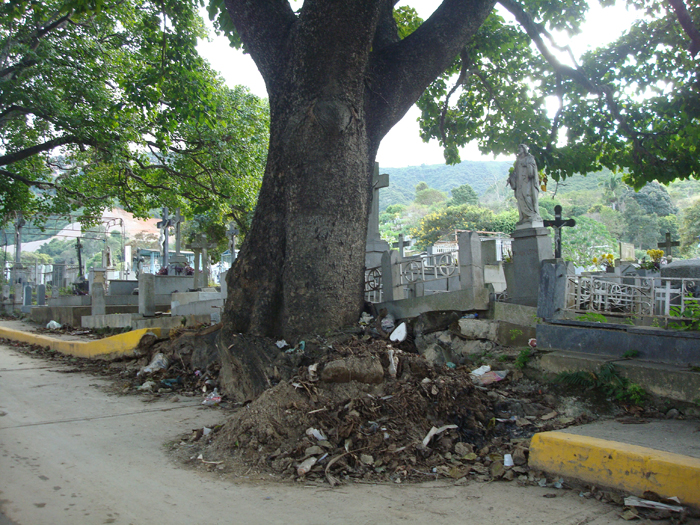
x=530, y=247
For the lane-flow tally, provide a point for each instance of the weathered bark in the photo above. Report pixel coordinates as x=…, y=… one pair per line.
x=337, y=83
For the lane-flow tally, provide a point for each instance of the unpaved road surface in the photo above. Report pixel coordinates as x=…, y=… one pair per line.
x=71, y=453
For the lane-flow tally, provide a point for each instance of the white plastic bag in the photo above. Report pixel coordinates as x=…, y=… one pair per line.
x=159, y=362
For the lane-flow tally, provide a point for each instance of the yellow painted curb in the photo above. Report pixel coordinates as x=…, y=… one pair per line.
x=617, y=465
x=117, y=345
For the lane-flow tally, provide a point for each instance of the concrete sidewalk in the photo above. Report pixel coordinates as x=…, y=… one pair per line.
x=661, y=456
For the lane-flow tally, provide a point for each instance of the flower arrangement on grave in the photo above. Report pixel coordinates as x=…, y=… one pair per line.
x=605, y=261
x=654, y=262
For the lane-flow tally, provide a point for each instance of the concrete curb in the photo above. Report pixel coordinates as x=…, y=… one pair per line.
x=117, y=345
x=617, y=465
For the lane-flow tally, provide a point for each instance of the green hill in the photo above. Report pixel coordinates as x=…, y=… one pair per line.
x=480, y=175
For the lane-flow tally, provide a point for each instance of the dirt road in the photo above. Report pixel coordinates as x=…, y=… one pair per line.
x=70, y=453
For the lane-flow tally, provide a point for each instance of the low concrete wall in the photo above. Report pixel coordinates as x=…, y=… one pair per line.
x=167, y=284
x=211, y=308
x=659, y=379
x=122, y=287
x=136, y=322
x=72, y=315
x=666, y=346
x=514, y=313
x=462, y=300
x=69, y=300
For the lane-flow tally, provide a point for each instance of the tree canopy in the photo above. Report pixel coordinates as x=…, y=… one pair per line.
x=633, y=105
x=106, y=102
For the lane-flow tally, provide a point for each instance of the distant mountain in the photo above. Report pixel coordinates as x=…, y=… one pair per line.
x=480, y=175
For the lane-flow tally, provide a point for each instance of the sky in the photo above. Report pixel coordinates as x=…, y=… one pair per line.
x=403, y=146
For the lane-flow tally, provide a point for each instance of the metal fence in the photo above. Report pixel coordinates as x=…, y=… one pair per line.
x=663, y=297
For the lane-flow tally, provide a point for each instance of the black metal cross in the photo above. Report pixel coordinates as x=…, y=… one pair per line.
x=79, y=247
x=666, y=244
x=557, y=224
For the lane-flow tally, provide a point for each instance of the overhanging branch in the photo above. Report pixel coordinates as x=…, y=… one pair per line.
x=535, y=32
x=687, y=24
x=25, y=153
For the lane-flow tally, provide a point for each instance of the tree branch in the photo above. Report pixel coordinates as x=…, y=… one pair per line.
x=264, y=28
x=28, y=182
x=11, y=158
x=400, y=73
x=534, y=31
x=687, y=24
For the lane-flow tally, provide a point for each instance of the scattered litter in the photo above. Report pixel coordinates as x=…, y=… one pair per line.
x=316, y=433
x=213, y=399
x=306, y=465
x=206, y=431
x=281, y=344
x=532, y=343
x=159, y=362
x=399, y=334
x=633, y=501
x=450, y=364
x=201, y=458
x=481, y=371
x=388, y=323
x=491, y=377
x=147, y=386
x=471, y=316
x=171, y=383
x=313, y=372
x=508, y=460
x=393, y=362
x=435, y=431
x=53, y=325
x=365, y=319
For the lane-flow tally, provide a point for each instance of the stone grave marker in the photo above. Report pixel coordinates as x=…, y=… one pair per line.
x=667, y=244
x=375, y=246
x=627, y=252
x=41, y=295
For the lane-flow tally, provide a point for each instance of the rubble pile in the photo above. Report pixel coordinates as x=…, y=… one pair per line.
x=355, y=416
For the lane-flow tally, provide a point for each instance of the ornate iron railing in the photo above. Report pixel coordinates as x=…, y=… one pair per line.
x=373, y=284
x=632, y=296
x=429, y=267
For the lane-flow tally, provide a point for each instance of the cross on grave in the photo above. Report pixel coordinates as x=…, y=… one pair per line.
x=17, y=266
x=667, y=244
x=79, y=247
x=401, y=244
x=163, y=226
x=232, y=233
x=176, y=221
x=378, y=181
x=557, y=224
x=201, y=245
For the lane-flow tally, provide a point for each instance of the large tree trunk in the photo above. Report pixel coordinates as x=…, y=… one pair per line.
x=338, y=79
x=301, y=267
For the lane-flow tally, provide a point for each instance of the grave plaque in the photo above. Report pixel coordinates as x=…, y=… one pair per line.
x=41, y=295
x=627, y=252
